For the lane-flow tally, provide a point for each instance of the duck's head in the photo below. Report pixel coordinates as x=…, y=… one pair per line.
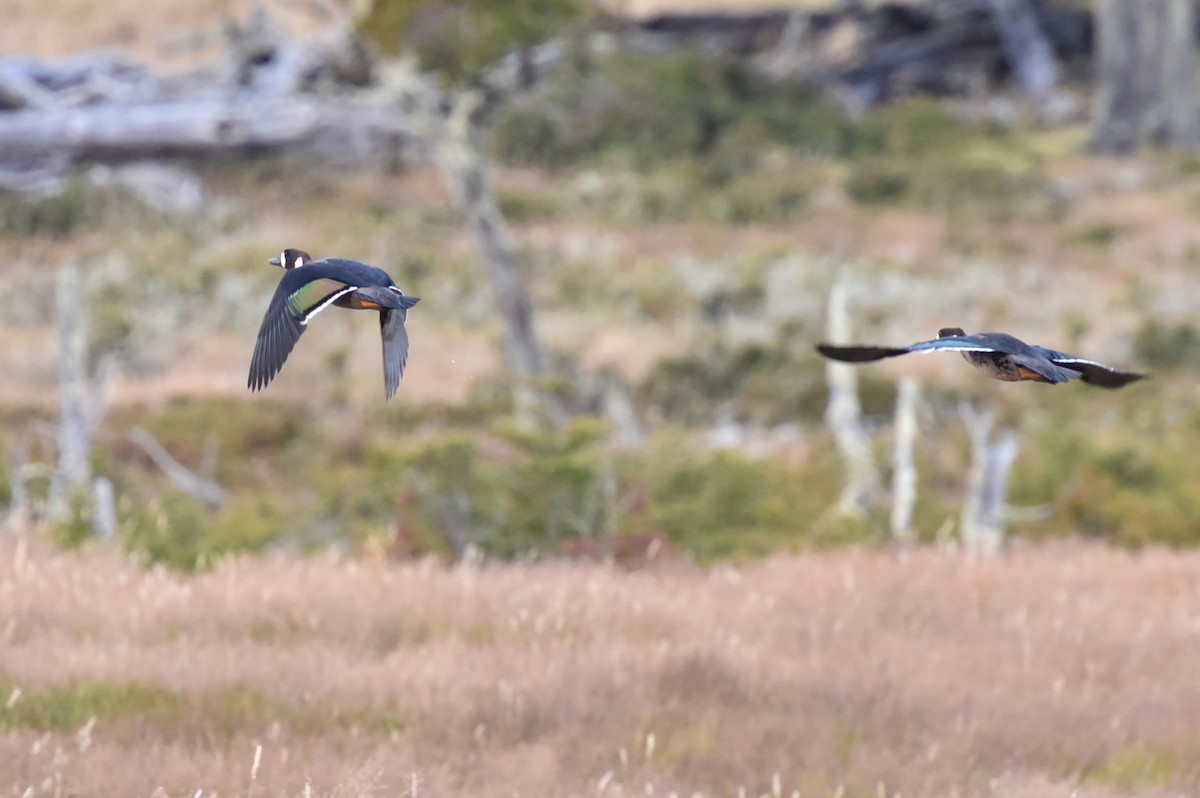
x=291, y=259
x=950, y=332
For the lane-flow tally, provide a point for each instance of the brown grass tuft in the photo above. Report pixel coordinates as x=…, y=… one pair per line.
x=1043, y=671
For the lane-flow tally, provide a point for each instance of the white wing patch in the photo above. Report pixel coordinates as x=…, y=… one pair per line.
x=1061, y=360
x=933, y=346
x=329, y=300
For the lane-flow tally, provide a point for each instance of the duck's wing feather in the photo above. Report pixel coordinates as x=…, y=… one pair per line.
x=859, y=354
x=1048, y=370
x=387, y=296
x=955, y=343
x=286, y=319
x=309, y=299
x=865, y=354
x=1098, y=374
x=395, y=348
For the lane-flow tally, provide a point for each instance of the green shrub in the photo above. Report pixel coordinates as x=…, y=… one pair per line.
x=1134, y=766
x=77, y=206
x=652, y=109
x=925, y=157
x=1132, y=483
x=1099, y=235
x=65, y=708
x=722, y=504
x=457, y=491
x=767, y=384
x=1162, y=345
x=180, y=532
x=458, y=38
x=240, y=430
x=553, y=487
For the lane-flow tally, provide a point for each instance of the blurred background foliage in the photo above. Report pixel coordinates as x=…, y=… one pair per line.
x=459, y=38
x=616, y=145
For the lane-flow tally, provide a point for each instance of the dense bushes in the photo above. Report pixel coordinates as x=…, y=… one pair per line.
x=305, y=482
x=684, y=106
x=508, y=491
x=457, y=38
x=711, y=138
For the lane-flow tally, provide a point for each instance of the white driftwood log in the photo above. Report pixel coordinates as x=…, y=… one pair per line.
x=193, y=126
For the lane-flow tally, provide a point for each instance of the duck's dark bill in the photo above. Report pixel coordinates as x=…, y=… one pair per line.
x=860, y=354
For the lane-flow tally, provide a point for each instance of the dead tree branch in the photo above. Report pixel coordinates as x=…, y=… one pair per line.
x=904, y=469
x=75, y=423
x=206, y=490
x=1026, y=46
x=844, y=415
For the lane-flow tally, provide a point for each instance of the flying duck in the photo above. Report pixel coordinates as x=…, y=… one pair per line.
x=998, y=355
x=308, y=287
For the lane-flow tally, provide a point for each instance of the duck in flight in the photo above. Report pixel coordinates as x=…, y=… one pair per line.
x=308, y=287
x=999, y=355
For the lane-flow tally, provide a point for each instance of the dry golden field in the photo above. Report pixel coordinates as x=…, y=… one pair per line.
x=1051, y=671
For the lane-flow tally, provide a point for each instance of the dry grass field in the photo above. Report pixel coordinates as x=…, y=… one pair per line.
x=1051, y=671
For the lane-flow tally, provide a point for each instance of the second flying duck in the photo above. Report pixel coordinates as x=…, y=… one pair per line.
x=999, y=355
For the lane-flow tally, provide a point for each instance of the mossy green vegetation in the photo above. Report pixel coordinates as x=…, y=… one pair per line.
x=458, y=38
x=1136, y=766
x=691, y=105
x=1168, y=345
x=216, y=713
x=75, y=208
x=510, y=491
x=739, y=147
x=67, y=707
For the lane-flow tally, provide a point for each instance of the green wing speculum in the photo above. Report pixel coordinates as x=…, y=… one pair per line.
x=313, y=297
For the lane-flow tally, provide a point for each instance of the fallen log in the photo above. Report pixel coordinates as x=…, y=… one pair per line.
x=192, y=126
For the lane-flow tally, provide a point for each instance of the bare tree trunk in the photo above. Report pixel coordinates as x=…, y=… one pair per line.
x=844, y=415
x=461, y=155
x=617, y=401
x=904, y=470
x=74, y=440
x=1026, y=46
x=104, y=509
x=1181, y=109
x=987, y=484
x=1145, y=88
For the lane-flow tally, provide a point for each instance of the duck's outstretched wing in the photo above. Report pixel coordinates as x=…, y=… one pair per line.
x=395, y=349
x=392, y=316
x=294, y=303
x=860, y=354
x=866, y=354
x=956, y=343
x=1098, y=374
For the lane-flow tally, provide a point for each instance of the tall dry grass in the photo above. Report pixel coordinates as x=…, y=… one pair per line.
x=853, y=673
